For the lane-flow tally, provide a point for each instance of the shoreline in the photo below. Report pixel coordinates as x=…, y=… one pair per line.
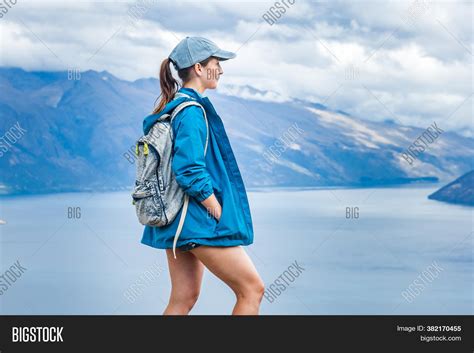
x=259, y=189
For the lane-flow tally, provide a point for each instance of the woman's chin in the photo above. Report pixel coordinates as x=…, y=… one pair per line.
x=213, y=85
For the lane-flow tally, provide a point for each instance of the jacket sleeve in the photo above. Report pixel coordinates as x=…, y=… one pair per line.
x=188, y=162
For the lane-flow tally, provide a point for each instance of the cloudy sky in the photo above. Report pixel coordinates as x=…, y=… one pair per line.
x=408, y=61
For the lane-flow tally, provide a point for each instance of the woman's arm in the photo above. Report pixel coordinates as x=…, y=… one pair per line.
x=189, y=163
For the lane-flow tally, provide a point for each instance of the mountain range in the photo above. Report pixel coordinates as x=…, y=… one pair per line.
x=78, y=135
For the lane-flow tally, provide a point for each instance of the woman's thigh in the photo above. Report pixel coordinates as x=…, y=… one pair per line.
x=186, y=273
x=231, y=264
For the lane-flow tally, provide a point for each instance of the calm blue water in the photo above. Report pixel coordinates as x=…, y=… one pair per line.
x=358, y=265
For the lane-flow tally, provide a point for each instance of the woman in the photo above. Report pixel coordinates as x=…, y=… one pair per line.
x=218, y=220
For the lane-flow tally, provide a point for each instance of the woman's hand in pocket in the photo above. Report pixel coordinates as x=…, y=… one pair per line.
x=213, y=207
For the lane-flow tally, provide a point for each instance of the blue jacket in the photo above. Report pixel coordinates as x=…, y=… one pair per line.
x=200, y=176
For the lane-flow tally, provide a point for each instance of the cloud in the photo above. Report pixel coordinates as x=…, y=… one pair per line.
x=410, y=61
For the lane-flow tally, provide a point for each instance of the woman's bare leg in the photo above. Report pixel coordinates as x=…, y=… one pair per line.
x=186, y=277
x=233, y=266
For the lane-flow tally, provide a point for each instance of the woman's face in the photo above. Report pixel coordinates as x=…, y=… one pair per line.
x=210, y=74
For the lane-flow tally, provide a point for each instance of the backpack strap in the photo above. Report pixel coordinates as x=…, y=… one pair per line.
x=176, y=111
x=186, y=104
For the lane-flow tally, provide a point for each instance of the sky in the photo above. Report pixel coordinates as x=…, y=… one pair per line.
x=406, y=61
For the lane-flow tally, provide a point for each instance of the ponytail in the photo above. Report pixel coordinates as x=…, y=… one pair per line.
x=169, y=86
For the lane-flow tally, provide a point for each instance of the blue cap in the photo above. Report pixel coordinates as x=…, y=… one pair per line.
x=192, y=50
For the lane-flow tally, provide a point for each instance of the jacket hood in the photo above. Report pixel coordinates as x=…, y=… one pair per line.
x=150, y=120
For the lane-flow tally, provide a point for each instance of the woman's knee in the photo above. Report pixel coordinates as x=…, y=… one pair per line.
x=252, y=290
x=185, y=298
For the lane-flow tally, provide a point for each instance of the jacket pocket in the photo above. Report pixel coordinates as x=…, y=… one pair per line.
x=199, y=222
x=218, y=195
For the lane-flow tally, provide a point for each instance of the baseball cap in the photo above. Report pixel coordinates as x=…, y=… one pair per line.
x=192, y=50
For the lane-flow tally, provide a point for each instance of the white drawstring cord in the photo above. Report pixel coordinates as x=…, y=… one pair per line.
x=180, y=224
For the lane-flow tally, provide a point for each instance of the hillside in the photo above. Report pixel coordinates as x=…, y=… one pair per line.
x=460, y=191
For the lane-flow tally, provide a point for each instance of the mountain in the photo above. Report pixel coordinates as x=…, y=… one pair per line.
x=460, y=191
x=79, y=134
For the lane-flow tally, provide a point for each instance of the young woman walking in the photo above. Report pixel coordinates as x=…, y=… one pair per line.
x=218, y=220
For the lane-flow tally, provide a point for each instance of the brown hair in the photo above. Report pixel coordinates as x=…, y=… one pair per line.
x=169, y=85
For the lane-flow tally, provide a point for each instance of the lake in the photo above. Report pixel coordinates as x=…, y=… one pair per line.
x=362, y=251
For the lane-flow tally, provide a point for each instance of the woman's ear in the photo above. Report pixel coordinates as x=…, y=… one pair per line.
x=198, y=69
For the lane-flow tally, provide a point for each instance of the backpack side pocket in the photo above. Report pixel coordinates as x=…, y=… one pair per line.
x=146, y=195
x=148, y=204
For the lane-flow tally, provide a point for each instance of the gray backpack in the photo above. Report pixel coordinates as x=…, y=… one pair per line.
x=157, y=196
